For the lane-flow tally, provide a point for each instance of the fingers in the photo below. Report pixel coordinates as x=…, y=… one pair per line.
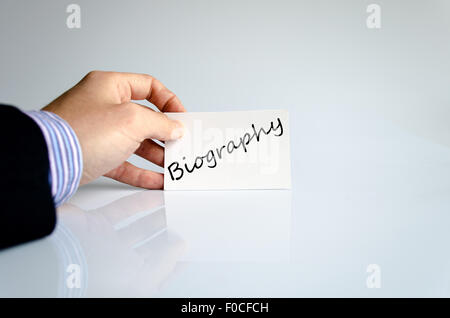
x=142, y=86
x=156, y=125
x=137, y=177
x=143, y=226
x=151, y=151
x=164, y=99
x=128, y=206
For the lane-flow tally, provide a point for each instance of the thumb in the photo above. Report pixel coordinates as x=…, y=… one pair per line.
x=157, y=125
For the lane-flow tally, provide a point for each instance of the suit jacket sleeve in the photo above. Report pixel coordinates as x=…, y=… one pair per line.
x=27, y=210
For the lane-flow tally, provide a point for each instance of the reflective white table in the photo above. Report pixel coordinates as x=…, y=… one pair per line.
x=368, y=216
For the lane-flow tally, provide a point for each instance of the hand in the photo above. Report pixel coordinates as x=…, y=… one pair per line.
x=129, y=249
x=110, y=127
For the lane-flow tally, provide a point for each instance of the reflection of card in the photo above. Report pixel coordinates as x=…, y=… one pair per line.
x=229, y=150
x=242, y=226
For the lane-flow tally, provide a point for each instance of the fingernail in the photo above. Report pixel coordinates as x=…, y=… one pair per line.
x=178, y=131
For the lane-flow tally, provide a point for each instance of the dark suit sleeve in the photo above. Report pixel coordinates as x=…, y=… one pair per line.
x=27, y=211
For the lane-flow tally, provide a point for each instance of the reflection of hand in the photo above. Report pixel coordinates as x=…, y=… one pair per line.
x=110, y=128
x=128, y=248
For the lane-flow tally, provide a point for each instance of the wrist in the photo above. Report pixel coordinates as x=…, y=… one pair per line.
x=65, y=155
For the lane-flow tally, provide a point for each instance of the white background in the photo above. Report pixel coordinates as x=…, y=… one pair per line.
x=369, y=113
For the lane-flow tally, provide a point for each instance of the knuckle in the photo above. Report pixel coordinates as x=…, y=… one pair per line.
x=146, y=78
x=93, y=74
x=101, y=75
x=149, y=77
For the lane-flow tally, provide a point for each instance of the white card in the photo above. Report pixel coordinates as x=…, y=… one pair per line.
x=229, y=150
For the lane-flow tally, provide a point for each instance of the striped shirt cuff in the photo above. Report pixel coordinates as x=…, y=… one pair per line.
x=64, y=152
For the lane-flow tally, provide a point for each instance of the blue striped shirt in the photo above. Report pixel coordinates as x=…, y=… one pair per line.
x=64, y=152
